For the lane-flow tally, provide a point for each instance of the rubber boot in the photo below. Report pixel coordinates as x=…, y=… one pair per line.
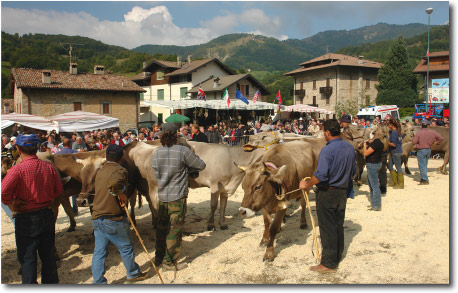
x=400, y=181
x=382, y=189
x=394, y=178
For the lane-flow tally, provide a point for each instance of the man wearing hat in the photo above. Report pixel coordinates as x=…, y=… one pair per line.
x=171, y=164
x=109, y=219
x=29, y=188
x=345, y=121
x=423, y=140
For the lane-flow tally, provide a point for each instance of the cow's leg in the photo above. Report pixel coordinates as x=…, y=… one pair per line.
x=405, y=159
x=222, y=210
x=213, y=207
x=153, y=205
x=69, y=211
x=267, y=221
x=303, y=222
x=273, y=230
x=444, y=166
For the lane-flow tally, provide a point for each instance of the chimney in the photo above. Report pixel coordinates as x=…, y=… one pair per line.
x=360, y=59
x=46, y=77
x=179, y=61
x=189, y=59
x=99, y=69
x=216, y=82
x=73, y=68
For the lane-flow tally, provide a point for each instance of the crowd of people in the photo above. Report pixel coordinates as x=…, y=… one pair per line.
x=29, y=193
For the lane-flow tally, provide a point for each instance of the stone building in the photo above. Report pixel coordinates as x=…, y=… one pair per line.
x=51, y=92
x=335, y=78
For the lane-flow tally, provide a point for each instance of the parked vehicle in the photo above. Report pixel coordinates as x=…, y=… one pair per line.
x=427, y=111
x=371, y=112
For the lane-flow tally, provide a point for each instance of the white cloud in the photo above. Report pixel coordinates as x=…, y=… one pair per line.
x=140, y=26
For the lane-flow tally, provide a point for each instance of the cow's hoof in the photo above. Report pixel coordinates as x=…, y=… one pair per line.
x=224, y=227
x=359, y=183
x=71, y=229
x=269, y=255
x=263, y=242
x=303, y=226
x=211, y=228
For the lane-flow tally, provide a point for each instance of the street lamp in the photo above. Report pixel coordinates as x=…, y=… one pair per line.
x=428, y=11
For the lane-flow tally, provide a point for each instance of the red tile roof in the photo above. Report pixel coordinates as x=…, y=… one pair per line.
x=32, y=78
x=335, y=60
x=422, y=66
x=187, y=68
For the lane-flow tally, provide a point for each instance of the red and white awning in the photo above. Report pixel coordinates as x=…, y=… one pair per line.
x=306, y=109
x=83, y=121
x=31, y=121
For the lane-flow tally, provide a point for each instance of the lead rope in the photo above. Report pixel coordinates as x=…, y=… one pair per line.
x=315, y=240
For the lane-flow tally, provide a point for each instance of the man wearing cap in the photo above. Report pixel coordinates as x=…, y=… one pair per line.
x=423, y=140
x=345, y=121
x=109, y=219
x=171, y=165
x=29, y=188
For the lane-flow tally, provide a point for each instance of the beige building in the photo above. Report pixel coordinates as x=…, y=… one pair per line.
x=335, y=78
x=439, y=66
x=51, y=92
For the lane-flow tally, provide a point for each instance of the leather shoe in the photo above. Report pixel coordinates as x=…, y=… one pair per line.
x=372, y=209
x=424, y=182
x=140, y=277
x=322, y=269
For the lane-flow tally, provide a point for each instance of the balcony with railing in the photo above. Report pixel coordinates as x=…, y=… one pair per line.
x=299, y=93
x=326, y=90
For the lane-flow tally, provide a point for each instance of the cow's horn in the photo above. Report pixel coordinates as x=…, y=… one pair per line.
x=80, y=161
x=240, y=167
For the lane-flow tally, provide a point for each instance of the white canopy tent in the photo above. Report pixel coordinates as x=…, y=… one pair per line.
x=83, y=121
x=31, y=121
x=306, y=109
x=212, y=104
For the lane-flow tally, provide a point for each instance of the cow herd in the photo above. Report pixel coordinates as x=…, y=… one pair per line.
x=271, y=163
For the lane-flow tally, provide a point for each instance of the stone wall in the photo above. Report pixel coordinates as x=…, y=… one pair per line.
x=47, y=103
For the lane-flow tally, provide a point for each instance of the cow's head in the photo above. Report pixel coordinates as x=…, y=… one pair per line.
x=260, y=185
x=7, y=163
x=90, y=167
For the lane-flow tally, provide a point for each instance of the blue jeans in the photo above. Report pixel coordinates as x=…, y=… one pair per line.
x=422, y=158
x=35, y=232
x=372, y=177
x=395, y=158
x=8, y=212
x=118, y=233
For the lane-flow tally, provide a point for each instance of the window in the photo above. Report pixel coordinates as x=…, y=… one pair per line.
x=314, y=86
x=183, y=91
x=247, y=90
x=160, y=95
x=77, y=106
x=106, y=107
x=302, y=85
x=368, y=100
x=328, y=82
x=238, y=86
x=159, y=118
x=160, y=75
x=368, y=83
x=142, y=96
x=314, y=100
x=327, y=100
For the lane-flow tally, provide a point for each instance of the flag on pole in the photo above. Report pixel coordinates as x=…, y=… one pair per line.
x=241, y=97
x=201, y=94
x=226, y=97
x=278, y=97
x=256, y=96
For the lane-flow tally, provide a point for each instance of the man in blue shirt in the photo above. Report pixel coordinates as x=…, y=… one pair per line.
x=336, y=167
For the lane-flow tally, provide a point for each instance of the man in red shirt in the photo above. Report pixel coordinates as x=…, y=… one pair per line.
x=29, y=189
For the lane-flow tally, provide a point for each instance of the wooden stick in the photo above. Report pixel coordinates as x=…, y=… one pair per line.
x=141, y=242
x=306, y=197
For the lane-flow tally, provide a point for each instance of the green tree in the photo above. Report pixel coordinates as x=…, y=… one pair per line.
x=397, y=84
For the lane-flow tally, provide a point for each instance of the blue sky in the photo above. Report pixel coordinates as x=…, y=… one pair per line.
x=133, y=23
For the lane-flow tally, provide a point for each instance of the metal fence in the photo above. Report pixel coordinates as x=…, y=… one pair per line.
x=235, y=140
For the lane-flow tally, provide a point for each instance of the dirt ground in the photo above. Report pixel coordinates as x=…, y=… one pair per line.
x=406, y=243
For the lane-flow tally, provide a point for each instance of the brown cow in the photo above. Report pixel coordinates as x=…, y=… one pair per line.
x=279, y=170
x=442, y=148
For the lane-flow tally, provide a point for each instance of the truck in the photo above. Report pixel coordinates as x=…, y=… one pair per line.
x=371, y=112
x=427, y=111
